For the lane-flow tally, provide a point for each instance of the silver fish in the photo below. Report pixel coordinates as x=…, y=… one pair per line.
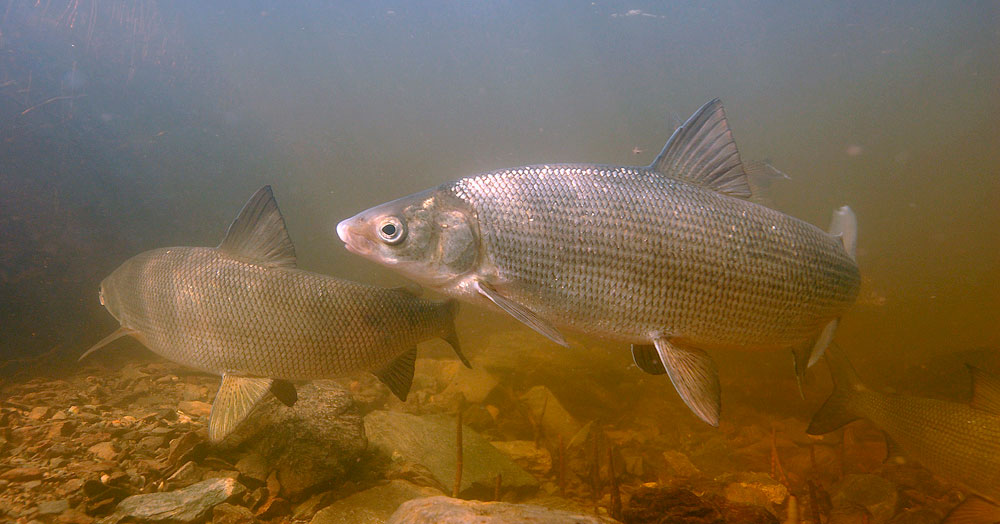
x=673, y=258
x=244, y=311
x=959, y=442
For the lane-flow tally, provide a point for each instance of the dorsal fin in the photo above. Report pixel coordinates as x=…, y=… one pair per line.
x=985, y=390
x=259, y=234
x=702, y=151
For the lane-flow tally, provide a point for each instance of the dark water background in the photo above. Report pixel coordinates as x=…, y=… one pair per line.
x=129, y=125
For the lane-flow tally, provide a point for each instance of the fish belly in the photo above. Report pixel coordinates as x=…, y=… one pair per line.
x=201, y=308
x=630, y=254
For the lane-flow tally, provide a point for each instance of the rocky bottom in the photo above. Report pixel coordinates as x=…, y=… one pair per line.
x=549, y=435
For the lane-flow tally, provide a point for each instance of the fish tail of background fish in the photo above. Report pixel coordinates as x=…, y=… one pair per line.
x=841, y=408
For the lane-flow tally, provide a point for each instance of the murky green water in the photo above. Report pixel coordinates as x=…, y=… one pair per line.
x=132, y=125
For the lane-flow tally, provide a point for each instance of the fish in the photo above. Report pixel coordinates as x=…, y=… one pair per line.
x=245, y=311
x=956, y=441
x=673, y=258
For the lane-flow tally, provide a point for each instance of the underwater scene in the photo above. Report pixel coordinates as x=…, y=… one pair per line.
x=316, y=262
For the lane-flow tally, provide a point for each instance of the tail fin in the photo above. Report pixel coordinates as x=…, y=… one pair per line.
x=845, y=225
x=838, y=410
x=450, y=308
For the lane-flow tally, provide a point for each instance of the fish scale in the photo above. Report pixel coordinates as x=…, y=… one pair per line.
x=663, y=273
x=952, y=440
x=204, y=309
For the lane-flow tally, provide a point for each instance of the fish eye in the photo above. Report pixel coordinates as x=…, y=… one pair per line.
x=391, y=230
x=100, y=295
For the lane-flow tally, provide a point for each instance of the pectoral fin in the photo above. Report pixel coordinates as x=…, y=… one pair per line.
x=236, y=399
x=115, y=335
x=398, y=374
x=809, y=353
x=695, y=377
x=647, y=359
x=521, y=313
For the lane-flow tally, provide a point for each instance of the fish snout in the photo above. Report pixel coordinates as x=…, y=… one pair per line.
x=354, y=240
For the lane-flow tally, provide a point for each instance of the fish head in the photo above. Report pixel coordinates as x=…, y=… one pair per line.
x=431, y=237
x=112, y=287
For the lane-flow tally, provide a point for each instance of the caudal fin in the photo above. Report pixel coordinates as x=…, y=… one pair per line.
x=845, y=226
x=451, y=309
x=839, y=409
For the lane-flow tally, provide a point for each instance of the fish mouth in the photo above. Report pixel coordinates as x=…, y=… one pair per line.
x=354, y=241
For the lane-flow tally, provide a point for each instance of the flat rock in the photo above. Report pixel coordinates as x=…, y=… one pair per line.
x=553, y=417
x=195, y=408
x=311, y=443
x=22, y=474
x=185, y=505
x=525, y=454
x=446, y=510
x=53, y=507
x=372, y=506
x=876, y=494
x=104, y=450
x=429, y=441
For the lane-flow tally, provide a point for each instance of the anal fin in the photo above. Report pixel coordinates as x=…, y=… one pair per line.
x=398, y=374
x=695, y=377
x=647, y=359
x=236, y=399
x=518, y=311
x=284, y=391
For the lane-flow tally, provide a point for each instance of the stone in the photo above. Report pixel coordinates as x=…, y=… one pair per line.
x=226, y=513
x=551, y=414
x=473, y=384
x=446, y=510
x=430, y=441
x=654, y=504
x=525, y=454
x=185, y=475
x=63, y=428
x=40, y=413
x=757, y=489
x=679, y=465
x=372, y=506
x=53, y=507
x=195, y=408
x=104, y=450
x=72, y=516
x=22, y=474
x=253, y=465
x=918, y=516
x=310, y=444
x=876, y=494
x=185, y=505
